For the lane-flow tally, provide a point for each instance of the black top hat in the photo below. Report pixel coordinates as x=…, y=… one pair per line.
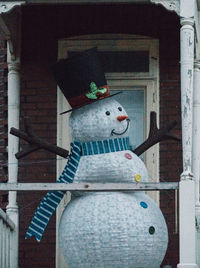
x=81, y=79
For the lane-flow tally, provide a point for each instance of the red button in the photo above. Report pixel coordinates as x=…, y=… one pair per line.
x=128, y=156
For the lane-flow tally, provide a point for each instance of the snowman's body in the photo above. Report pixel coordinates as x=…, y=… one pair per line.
x=110, y=229
x=121, y=166
x=98, y=121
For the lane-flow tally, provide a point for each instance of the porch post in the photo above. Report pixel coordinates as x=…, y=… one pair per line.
x=187, y=183
x=196, y=133
x=13, y=146
x=196, y=151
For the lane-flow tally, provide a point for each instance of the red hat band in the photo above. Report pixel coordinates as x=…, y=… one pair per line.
x=83, y=99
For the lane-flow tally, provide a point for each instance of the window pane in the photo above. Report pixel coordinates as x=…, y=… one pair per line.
x=134, y=104
x=125, y=61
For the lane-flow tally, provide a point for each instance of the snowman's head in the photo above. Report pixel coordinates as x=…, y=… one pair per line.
x=99, y=121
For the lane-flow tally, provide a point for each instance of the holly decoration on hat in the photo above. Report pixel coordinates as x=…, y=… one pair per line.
x=95, y=92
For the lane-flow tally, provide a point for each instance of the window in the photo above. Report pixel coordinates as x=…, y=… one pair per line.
x=131, y=64
x=123, y=61
x=133, y=101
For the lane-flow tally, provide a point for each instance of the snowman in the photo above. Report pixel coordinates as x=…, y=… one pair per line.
x=101, y=229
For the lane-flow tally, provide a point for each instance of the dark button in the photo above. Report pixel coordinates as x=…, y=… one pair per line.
x=151, y=230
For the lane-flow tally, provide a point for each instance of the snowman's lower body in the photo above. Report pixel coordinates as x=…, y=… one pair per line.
x=113, y=230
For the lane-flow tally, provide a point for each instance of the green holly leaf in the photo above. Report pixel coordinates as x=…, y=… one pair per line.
x=92, y=94
x=93, y=87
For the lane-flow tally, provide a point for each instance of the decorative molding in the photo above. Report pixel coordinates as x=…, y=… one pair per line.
x=187, y=21
x=187, y=175
x=171, y=5
x=11, y=49
x=13, y=67
x=8, y=6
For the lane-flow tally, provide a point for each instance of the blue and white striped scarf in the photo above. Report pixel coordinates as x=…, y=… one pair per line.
x=52, y=199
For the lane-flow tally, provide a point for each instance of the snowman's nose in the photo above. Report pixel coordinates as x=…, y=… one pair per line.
x=122, y=117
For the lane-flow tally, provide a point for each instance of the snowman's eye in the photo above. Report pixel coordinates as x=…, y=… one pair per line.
x=120, y=109
x=107, y=113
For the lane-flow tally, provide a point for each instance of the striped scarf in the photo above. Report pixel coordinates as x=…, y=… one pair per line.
x=52, y=199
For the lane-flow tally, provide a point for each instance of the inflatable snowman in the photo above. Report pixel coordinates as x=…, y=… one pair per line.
x=102, y=229
x=110, y=229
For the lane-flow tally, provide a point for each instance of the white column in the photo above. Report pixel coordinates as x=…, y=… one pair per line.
x=13, y=147
x=196, y=132
x=187, y=184
x=196, y=151
x=187, y=62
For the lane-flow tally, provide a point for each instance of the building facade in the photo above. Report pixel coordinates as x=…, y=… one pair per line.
x=150, y=34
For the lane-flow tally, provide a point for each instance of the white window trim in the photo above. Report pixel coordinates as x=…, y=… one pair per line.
x=150, y=80
x=152, y=155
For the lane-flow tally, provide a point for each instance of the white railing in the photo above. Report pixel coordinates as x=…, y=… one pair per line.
x=6, y=230
x=145, y=186
x=8, y=242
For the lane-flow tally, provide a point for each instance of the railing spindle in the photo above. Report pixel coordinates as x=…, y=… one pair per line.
x=6, y=229
x=3, y=246
x=8, y=248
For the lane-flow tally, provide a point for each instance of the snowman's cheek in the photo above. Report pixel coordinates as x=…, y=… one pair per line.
x=104, y=133
x=104, y=124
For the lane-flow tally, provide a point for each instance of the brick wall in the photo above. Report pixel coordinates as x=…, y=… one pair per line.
x=170, y=152
x=38, y=105
x=42, y=26
x=3, y=120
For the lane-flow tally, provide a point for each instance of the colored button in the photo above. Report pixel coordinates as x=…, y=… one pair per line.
x=137, y=177
x=151, y=230
x=128, y=156
x=143, y=204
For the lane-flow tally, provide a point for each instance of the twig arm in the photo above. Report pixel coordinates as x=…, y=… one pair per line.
x=37, y=143
x=25, y=152
x=156, y=135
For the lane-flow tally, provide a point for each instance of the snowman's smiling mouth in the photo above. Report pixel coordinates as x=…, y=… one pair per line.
x=116, y=133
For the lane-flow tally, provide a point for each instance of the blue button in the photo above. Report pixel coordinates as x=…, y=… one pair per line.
x=143, y=204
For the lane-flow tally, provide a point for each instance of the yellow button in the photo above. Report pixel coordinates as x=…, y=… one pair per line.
x=137, y=177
